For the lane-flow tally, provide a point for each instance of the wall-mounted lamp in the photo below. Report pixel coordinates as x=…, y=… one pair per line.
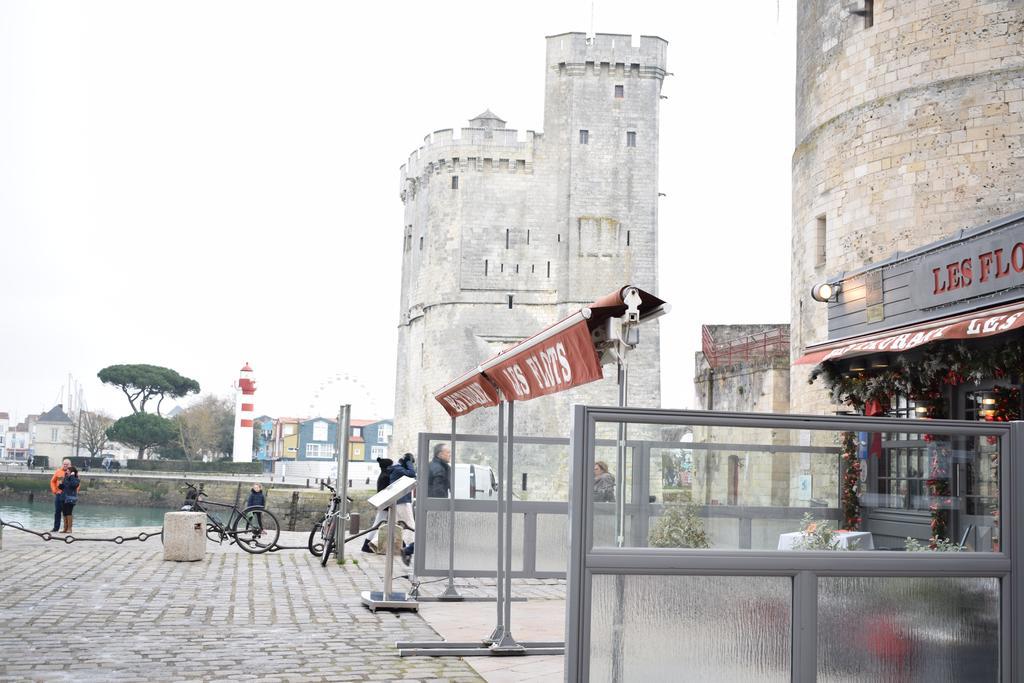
x=878, y=363
x=856, y=367
x=988, y=401
x=825, y=292
x=921, y=410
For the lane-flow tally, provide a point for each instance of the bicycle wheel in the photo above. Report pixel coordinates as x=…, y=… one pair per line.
x=256, y=530
x=316, y=540
x=328, y=530
x=214, y=534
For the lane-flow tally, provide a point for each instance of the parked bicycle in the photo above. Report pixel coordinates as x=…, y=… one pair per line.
x=322, y=537
x=255, y=529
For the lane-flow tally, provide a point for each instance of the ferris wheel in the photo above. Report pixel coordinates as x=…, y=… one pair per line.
x=344, y=387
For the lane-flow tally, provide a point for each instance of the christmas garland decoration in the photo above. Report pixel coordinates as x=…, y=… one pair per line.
x=851, y=483
x=923, y=377
x=938, y=492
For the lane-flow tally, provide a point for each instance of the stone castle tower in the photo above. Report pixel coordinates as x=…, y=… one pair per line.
x=505, y=235
x=909, y=127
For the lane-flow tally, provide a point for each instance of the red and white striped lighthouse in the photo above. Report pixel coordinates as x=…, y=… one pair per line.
x=244, y=406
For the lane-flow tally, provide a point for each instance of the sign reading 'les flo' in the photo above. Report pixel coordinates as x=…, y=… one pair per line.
x=978, y=265
x=560, y=362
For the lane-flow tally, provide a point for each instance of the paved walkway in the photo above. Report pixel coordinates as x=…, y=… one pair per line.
x=103, y=612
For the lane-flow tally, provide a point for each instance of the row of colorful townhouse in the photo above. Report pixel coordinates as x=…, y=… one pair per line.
x=315, y=439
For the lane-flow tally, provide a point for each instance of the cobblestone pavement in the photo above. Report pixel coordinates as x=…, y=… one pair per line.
x=103, y=612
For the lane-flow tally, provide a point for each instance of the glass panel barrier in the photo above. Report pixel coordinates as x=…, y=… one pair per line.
x=656, y=628
x=475, y=541
x=908, y=629
x=799, y=489
x=552, y=543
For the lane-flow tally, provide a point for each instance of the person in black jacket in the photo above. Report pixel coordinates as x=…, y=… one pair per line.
x=403, y=507
x=440, y=472
x=69, y=485
x=383, y=479
x=256, y=499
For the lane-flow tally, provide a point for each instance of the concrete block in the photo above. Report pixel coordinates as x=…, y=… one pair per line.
x=184, y=536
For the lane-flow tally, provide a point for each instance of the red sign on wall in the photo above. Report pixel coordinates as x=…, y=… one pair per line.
x=560, y=362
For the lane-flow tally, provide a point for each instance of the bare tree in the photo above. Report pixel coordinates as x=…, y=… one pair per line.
x=205, y=427
x=89, y=432
x=93, y=435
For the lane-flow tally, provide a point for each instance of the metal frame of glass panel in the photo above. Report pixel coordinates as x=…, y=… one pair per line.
x=530, y=509
x=803, y=568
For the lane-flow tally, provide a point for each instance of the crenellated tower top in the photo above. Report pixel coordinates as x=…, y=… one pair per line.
x=610, y=50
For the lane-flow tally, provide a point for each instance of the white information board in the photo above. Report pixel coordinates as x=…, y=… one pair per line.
x=393, y=492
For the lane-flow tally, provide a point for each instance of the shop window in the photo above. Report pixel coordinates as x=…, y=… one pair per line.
x=584, y=136
x=631, y=138
x=903, y=465
x=620, y=92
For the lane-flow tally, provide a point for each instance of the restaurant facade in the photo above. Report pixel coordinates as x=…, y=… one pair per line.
x=934, y=333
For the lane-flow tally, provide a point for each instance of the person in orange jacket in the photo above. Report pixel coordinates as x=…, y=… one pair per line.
x=58, y=495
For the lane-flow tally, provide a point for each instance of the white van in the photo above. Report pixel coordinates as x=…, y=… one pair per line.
x=475, y=481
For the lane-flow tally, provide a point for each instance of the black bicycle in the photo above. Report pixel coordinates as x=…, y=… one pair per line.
x=323, y=534
x=254, y=529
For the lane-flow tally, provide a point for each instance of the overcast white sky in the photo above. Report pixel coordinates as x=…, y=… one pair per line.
x=198, y=184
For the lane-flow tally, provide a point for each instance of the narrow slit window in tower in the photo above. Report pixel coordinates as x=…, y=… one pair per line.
x=421, y=242
x=627, y=238
x=620, y=92
x=507, y=233
x=630, y=138
x=820, y=241
x=527, y=236
x=510, y=301
x=503, y=267
x=455, y=182
x=485, y=267
x=869, y=13
x=584, y=136
x=533, y=267
x=517, y=269
x=549, y=268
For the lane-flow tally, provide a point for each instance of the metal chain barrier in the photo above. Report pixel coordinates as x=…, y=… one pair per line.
x=69, y=539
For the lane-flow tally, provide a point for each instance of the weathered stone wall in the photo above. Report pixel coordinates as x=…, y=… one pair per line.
x=297, y=508
x=580, y=221
x=760, y=386
x=906, y=132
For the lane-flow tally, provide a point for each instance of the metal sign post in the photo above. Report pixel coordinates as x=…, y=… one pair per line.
x=388, y=599
x=450, y=593
x=344, y=418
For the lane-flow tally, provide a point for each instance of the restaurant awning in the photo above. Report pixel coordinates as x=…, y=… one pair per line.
x=974, y=325
x=557, y=358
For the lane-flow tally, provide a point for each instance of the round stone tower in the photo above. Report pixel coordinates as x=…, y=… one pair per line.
x=909, y=127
